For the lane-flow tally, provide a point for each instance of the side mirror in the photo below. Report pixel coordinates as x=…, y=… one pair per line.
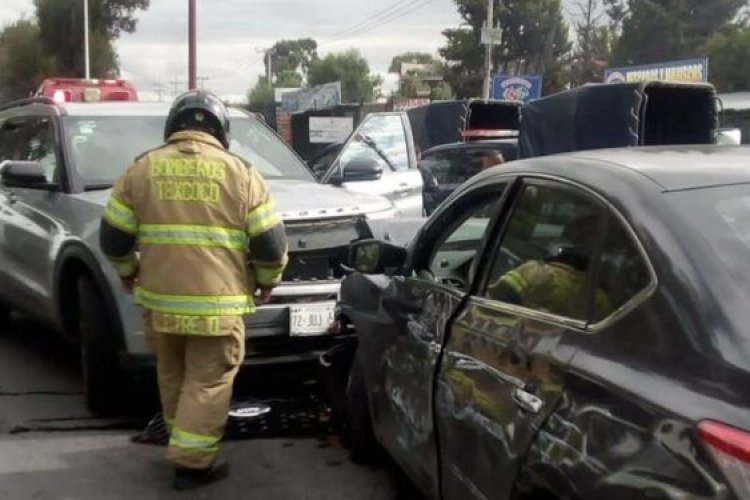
x=359, y=169
x=729, y=136
x=23, y=174
x=375, y=257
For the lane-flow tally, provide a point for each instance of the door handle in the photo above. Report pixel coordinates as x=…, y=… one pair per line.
x=527, y=401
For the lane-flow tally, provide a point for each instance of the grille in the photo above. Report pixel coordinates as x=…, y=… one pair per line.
x=317, y=249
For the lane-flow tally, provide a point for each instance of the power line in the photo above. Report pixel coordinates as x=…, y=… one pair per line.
x=377, y=23
x=381, y=13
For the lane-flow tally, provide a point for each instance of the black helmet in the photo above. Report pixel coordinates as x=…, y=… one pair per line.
x=199, y=110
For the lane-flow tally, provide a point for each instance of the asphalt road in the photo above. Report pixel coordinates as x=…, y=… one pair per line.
x=52, y=448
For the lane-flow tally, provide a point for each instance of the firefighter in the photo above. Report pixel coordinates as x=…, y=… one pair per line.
x=556, y=284
x=209, y=247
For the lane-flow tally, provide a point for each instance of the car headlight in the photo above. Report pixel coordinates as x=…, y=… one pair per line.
x=384, y=214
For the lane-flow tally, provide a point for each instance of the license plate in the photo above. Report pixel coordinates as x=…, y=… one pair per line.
x=311, y=319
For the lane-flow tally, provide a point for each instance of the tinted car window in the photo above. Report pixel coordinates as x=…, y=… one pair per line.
x=456, y=249
x=456, y=167
x=721, y=216
x=438, y=164
x=381, y=139
x=30, y=139
x=623, y=272
x=544, y=258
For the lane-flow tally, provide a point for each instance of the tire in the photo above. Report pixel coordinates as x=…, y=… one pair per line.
x=358, y=434
x=105, y=384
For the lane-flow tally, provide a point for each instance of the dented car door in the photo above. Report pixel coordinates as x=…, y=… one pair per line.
x=422, y=306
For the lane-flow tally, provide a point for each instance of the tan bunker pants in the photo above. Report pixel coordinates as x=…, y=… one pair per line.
x=195, y=376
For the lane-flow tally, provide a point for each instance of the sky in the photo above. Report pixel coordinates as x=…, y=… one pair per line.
x=232, y=32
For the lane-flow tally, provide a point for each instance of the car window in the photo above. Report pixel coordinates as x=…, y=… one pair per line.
x=453, y=257
x=456, y=167
x=380, y=138
x=438, y=165
x=544, y=258
x=30, y=138
x=622, y=272
x=100, y=155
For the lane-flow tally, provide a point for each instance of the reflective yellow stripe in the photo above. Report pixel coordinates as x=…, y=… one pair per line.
x=121, y=216
x=182, y=234
x=268, y=275
x=515, y=281
x=262, y=218
x=195, y=305
x=126, y=266
x=192, y=441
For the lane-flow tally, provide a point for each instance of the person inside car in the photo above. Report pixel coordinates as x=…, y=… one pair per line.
x=555, y=284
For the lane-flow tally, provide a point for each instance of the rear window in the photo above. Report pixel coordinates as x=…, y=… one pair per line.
x=722, y=216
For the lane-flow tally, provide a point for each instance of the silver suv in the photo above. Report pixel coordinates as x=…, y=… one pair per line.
x=58, y=164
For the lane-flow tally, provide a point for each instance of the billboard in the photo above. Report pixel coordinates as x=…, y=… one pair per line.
x=689, y=70
x=517, y=88
x=330, y=129
x=320, y=97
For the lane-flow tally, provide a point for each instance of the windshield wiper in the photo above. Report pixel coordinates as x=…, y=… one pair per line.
x=372, y=145
x=97, y=187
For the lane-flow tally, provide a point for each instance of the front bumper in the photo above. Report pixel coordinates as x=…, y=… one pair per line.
x=268, y=339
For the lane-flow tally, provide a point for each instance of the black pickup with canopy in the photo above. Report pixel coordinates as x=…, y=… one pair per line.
x=619, y=115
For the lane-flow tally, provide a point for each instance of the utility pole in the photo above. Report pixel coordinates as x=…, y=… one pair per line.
x=489, y=27
x=86, y=38
x=192, y=45
x=269, y=62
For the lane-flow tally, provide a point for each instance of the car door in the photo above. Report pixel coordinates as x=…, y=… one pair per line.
x=503, y=364
x=421, y=306
x=26, y=231
x=385, y=139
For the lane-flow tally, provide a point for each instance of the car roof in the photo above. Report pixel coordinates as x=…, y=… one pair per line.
x=120, y=108
x=672, y=168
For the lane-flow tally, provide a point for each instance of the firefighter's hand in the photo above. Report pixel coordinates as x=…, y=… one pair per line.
x=128, y=284
x=264, y=297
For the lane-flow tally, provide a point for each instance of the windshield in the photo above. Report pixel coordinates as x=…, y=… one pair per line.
x=722, y=215
x=102, y=147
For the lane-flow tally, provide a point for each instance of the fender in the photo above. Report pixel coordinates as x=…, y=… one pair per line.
x=78, y=251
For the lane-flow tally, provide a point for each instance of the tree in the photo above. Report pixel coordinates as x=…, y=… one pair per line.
x=593, y=44
x=291, y=60
x=442, y=92
x=351, y=69
x=262, y=94
x=535, y=41
x=410, y=57
x=671, y=29
x=61, y=33
x=23, y=63
x=729, y=52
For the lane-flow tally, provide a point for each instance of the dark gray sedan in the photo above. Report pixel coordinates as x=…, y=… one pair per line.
x=574, y=326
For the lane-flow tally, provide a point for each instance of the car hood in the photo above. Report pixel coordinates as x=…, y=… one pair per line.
x=299, y=200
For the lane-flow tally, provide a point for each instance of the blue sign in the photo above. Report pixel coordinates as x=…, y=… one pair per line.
x=690, y=70
x=517, y=88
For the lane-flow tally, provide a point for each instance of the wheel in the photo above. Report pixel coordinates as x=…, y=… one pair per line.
x=104, y=382
x=358, y=434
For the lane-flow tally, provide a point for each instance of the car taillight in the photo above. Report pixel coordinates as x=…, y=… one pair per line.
x=730, y=448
